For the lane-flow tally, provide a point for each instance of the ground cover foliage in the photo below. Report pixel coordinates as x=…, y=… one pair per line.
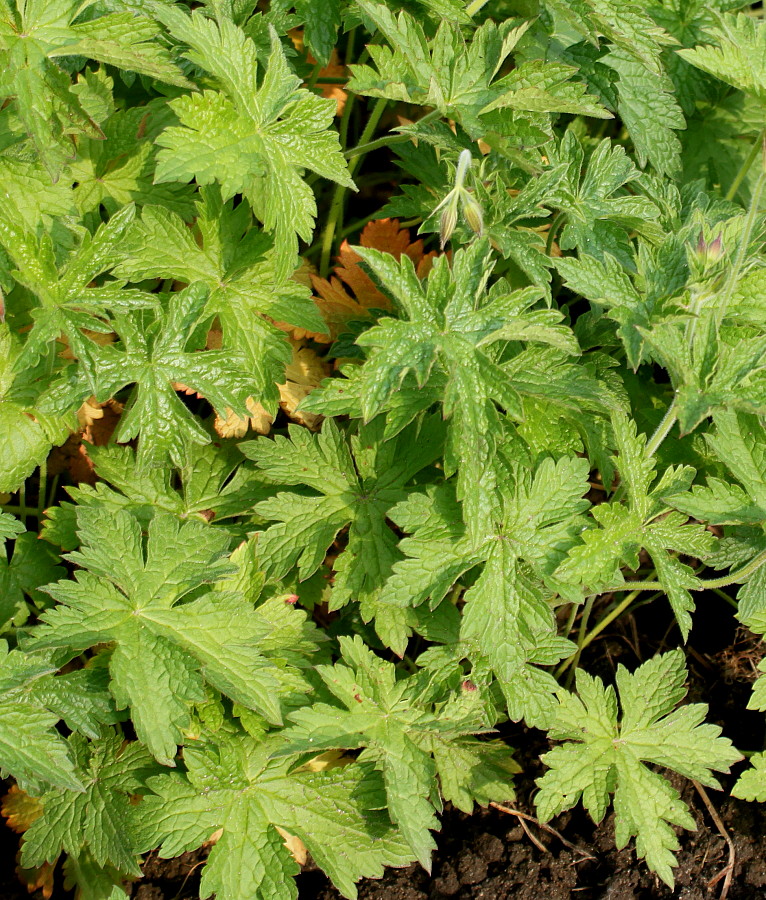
x=299, y=505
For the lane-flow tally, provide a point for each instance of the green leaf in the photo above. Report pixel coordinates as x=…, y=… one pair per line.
x=98, y=817
x=253, y=139
x=458, y=77
x=69, y=299
x=751, y=784
x=118, y=169
x=353, y=488
x=233, y=786
x=452, y=322
x=33, y=38
x=714, y=370
x=31, y=749
x=736, y=53
x=506, y=623
x=236, y=263
x=598, y=210
x=377, y=712
x=322, y=19
x=605, y=755
x=597, y=562
x=627, y=25
x=648, y=108
x=737, y=442
x=156, y=352
x=32, y=565
x=606, y=283
x=163, y=649
x=10, y=527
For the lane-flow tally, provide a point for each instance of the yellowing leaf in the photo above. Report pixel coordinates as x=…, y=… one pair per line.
x=304, y=373
x=295, y=845
x=350, y=292
x=19, y=809
x=234, y=426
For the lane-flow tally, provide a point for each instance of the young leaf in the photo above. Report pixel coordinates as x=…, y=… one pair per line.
x=253, y=139
x=459, y=78
x=597, y=209
x=605, y=755
x=452, y=322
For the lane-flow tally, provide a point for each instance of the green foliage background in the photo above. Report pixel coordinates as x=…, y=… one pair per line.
x=559, y=414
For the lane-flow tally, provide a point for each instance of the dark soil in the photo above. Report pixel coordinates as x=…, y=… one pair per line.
x=494, y=855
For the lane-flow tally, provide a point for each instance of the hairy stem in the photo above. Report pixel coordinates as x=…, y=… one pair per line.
x=555, y=224
x=574, y=659
x=42, y=492
x=662, y=430
x=745, y=167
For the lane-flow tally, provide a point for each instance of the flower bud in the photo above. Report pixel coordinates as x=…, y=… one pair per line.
x=710, y=252
x=448, y=223
x=473, y=213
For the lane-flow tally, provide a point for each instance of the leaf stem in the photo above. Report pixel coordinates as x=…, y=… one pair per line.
x=335, y=215
x=23, y=511
x=575, y=657
x=557, y=220
x=475, y=6
x=663, y=429
x=42, y=491
x=710, y=584
x=724, y=596
x=365, y=145
x=654, y=442
x=745, y=167
x=603, y=623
